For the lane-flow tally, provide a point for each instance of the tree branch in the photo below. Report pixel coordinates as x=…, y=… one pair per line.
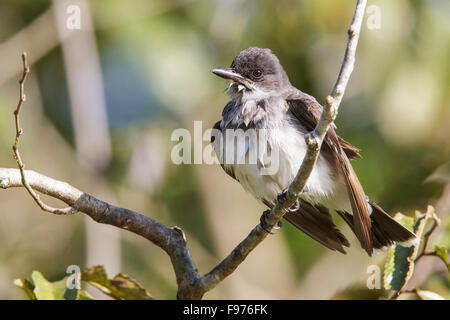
x=15, y=147
x=172, y=240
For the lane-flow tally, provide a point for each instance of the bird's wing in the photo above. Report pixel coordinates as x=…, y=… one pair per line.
x=307, y=111
x=227, y=169
x=316, y=222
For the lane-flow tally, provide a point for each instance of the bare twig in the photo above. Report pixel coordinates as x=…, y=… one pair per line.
x=426, y=239
x=15, y=147
x=172, y=240
x=395, y=295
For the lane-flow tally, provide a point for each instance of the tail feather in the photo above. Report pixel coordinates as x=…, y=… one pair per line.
x=357, y=197
x=392, y=230
x=385, y=230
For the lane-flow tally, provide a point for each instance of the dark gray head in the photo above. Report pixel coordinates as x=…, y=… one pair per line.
x=256, y=69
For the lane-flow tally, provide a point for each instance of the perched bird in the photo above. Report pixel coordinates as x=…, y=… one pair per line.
x=263, y=99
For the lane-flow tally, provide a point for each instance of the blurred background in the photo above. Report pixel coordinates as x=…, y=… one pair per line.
x=103, y=100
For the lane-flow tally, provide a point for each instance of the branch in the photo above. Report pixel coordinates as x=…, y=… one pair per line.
x=172, y=240
x=426, y=239
x=15, y=147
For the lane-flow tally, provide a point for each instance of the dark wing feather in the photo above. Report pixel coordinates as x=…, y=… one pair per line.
x=350, y=150
x=316, y=222
x=359, y=204
x=308, y=111
x=228, y=170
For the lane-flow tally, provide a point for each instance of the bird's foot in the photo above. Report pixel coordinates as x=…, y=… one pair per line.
x=263, y=222
x=265, y=226
x=279, y=225
x=282, y=199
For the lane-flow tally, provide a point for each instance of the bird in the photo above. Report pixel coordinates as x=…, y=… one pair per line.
x=262, y=99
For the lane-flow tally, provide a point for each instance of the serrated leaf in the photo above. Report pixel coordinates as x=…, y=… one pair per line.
x=27, y=286
x=443, y=254
x=400, y=264
x=130, y=288
x=121, y=287
x=428, y=295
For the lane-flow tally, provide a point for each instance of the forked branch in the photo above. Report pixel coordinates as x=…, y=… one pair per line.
x=172, y=240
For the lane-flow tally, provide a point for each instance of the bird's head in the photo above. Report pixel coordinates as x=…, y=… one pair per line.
x=255, y=70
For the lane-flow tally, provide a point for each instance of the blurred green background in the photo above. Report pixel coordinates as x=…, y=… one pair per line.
x=102, y=102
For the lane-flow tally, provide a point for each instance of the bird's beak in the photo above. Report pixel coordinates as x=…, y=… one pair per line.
x=229, y=74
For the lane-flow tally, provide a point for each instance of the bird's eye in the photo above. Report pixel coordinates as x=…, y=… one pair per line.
x=257, y=73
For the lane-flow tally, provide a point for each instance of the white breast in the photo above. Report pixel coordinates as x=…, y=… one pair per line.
x=291, y=148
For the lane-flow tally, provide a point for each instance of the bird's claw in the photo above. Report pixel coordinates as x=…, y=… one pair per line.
x=263, y=222
x=265, y=226
x=282, y=199
x=279, y=225
x=295, y=206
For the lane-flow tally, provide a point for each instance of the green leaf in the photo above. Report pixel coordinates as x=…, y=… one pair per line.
x=39, y=288
x=443, y=254
x=46, y=290
x=42, y=288
x=428, y=295
x=400, y=264
x=121, y=287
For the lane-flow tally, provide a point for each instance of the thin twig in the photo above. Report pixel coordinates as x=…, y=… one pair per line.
x=426, y=239
x=171, y=240
x=15, y=147
x=395, y=295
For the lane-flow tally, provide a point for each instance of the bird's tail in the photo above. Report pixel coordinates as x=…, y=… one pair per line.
x=385, y=230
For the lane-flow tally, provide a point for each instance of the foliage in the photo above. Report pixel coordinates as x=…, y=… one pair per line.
x=401, y=260
x=121, y=287
x=398, y=271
